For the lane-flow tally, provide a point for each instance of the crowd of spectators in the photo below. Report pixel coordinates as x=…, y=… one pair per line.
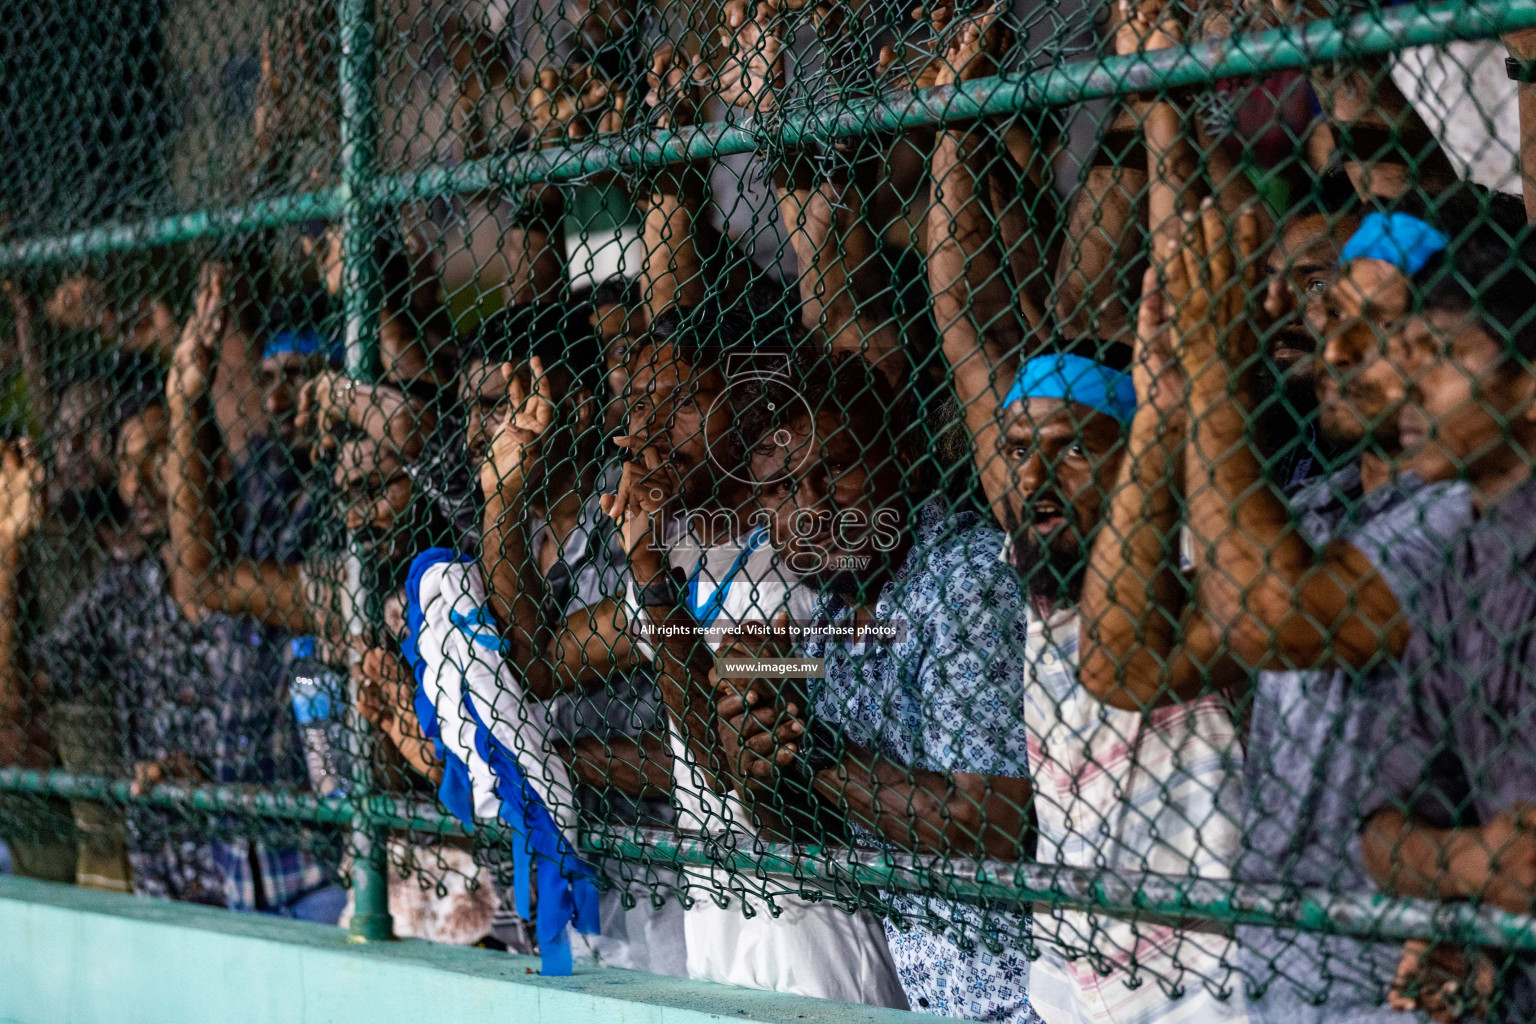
x=1208, y=521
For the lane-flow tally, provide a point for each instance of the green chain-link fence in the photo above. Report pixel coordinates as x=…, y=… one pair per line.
x=967, y=510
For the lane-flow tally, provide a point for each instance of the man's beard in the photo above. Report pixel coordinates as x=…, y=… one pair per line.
x=95, y=505
x=1051, y=571
x=1292, y=407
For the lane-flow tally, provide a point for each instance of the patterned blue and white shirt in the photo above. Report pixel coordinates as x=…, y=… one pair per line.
x=210, y=690
x=946, y=698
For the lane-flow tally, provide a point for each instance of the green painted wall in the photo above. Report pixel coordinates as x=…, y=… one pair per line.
x=73, y=956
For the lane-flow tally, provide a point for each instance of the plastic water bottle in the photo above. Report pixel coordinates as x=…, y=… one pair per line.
x=319, y=697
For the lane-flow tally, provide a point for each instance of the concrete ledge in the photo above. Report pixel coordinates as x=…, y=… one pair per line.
x=75, y=956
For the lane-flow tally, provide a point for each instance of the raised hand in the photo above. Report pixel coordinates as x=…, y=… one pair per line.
x=752, y=70
x=558, y=106
x=1209, y=274
x=79, y=303
x=174, y=767
x=610, y=100
x=1144, y=26
x=1446, y=982
x=912, y=67
x=23, y=313
x=1498, y=864
x=1155, y=368
x=192, y=362
x=975, y=47
x=759, y=720
x=516, y=445
x=324, y=402
x=647, y=486
x=21, y=485
x=385, y=688
x=673, y=88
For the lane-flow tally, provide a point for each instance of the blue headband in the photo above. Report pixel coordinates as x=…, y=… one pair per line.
x=1079, y=380
x=1396, y=238
x=306, y=342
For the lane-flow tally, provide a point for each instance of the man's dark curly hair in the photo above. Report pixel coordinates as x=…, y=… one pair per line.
x=853, y=390
x=1484, y=275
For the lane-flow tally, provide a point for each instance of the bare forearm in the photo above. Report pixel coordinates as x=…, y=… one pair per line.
x=39, y=395
x=187, y=476
x=1026, y=210
x=637, y=769
x=1091, y=299
x=1410, y=858
x=924, y=811
x=673, y=272
x=21, y=741
x=1393, y=150
x=13, y=689
x=482, y=75
x=416, y=749
x=593, y=644
x=1172, y=165
x=1132, y=591
x=683, y=664
x=1283, y=602
x=1230, y=185
x=975, y=315
x=268, y=592
x=965, y=270
x=840, y=295
x=1527, y=96
x=516, y=591
x=1238, y=527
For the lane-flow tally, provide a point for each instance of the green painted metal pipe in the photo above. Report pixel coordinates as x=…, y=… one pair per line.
x=1240, y=56
x=371, y=919
x=256, y=801
x=170, y=230
x=838, y=872
x=1126, y=894
x=383, y=810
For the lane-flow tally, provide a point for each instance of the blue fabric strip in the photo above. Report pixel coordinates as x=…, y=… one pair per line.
x=567, y=891
x=1402, y=240
x=566, y=887
x=454, y=790
x=304, y=342
x=1076, y=379
x=475, y=625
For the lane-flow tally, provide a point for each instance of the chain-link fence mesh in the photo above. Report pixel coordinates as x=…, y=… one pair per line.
x=999, y=511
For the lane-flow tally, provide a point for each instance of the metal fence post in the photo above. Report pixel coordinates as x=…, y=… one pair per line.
x=371, y=919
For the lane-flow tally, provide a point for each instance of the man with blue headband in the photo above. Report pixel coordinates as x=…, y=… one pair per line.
x=1062, y=446
x=1048, y=440
x=276, y=517
x=1299, y=600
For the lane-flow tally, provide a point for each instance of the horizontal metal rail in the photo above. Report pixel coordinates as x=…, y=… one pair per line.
x=1290, y=47
x=181, y=227
x=835, y=870
x=1113, y=894
x=254, y=801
